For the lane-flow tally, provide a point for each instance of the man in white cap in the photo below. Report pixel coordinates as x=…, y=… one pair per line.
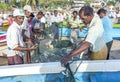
x=25, y=30
x=15, y=39
x=27, y=9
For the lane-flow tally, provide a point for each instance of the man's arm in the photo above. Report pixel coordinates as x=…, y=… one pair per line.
x=80, y=49
x=19, y=48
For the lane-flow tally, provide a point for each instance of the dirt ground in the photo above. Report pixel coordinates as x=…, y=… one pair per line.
x=115, y=50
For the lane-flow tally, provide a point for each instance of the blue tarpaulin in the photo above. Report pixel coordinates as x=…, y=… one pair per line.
x=66, y=32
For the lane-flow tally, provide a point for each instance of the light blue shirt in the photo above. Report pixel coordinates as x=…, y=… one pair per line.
x=107, y=25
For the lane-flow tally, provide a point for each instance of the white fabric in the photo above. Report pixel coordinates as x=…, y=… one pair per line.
x=55, y=19
x=95, y=34
x=14, y=39
x=25, y=27
x=18, y=12
x=28, y=8
x=43, y=20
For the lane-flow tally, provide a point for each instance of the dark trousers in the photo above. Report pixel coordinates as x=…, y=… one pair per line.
x=14, y=60
x=109, y=45
x=55, y=30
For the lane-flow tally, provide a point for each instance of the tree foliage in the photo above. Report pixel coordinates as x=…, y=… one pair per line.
x=111, y=3
x=88, y=1
x=3, y=6
x=46, y=3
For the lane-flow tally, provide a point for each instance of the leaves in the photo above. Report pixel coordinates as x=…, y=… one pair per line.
x=3, y=6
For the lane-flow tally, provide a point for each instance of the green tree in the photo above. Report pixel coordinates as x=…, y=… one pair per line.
x=88, y=1
x=3, y=6
x=111, y=2
x=54, y=3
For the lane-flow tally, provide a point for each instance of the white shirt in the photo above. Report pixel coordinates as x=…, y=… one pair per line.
x=25, y=27
x=55, y=19
x=14, y=39
x=43, y=20
x=95, y=34
x=1, y=21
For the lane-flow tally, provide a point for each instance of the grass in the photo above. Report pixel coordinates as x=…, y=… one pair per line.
x=116, y=25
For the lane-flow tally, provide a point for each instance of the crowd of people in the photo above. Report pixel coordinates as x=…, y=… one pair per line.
x=25, y=26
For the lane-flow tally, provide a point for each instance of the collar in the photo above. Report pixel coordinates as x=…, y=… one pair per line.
x=92, y=22
x=18, y=26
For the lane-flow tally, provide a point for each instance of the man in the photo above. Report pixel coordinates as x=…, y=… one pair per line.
x=74, y=24
x=55, y=19
x=39, y=24
x=25, y=30
x=15, y=39
x=107, y=25
x=94, y=39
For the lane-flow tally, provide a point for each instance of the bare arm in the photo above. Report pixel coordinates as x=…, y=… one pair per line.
x=81, y=48
x=19, y=48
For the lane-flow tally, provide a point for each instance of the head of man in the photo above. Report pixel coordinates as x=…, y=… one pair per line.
x=29, y=18
x=75, y=14
x=101, y=13
x=40, y=14
x=55, y=12
x=86, y=14
x=18, y=16
x=27, y=10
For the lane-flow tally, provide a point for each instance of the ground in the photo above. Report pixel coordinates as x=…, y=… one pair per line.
x=115, y=50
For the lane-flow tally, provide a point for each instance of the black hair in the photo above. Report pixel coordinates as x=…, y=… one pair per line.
x=40, y=13
x=87, y=10
x=75, y=12
x=32, y=15
x=55, y=11
x=101, y=11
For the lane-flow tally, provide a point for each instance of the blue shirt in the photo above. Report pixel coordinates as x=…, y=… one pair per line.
x=108, y=26
x=36, y=23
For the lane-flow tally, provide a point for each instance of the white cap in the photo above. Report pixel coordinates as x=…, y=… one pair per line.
x=18, y=12
x=28, y=8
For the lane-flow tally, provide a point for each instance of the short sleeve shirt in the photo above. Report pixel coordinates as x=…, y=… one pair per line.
x=95, y=34
x=74, y=23
x=108, y=26
x=36, y=23
x=14, y=39
x=26, y=27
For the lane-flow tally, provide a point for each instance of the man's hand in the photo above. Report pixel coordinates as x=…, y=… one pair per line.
x=33, y=47
x=65, y=60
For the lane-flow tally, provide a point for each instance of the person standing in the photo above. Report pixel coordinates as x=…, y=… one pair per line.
x=74, y=24
x=55, y=19
x=10, y=19
x=107, y=25
x=39, y=24
x=25, y=30
x=94, y=39
x=15, y=42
